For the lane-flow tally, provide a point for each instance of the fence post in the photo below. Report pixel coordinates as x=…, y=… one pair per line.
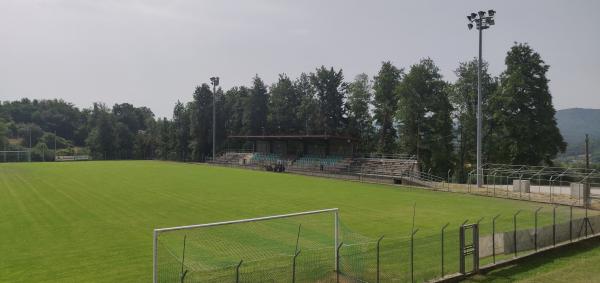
x=476, y=246
x=585, y=220
x=486, y=180
x=461, y=247
x=515, y=231
x=479, y=220
x=298, y=237
x=294, y=267
x=520, y=190
x=337, y=262
x=378, y=242
x=237, y=271
x=571, y=223
x=469, y=183
x=551, y=183
x=494, y=184
x=443, y=228
x=535, y=233
x=507, y=187
x=412, y=253
x=449, y=170
x=183, y=273
x=554, y=225
x=494, y=238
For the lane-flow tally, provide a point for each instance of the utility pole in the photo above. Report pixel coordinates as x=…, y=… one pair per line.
x=215, y=83
x=587, y=187
x=29, y=157
x=481, y=22
x=54, y=145
x=587, y=151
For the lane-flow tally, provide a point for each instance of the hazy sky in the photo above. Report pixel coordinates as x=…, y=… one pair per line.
x=154, y=53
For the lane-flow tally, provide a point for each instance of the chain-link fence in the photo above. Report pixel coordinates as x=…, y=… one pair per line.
x=526, y=232
x=304, y=249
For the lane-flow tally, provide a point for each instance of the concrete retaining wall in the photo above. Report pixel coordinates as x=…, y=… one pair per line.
x=521, y=186
x=526, y=237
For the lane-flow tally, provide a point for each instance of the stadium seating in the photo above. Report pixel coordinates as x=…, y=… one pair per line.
x=232, y=158
x=269, y=158
x=383, y=166
x=312, y=160
x=331, y=163
x=386, y=167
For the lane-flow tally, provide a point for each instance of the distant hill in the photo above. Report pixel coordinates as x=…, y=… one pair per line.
x=574, y=123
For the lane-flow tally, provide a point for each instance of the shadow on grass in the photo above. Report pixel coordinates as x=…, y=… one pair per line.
x=519, y=270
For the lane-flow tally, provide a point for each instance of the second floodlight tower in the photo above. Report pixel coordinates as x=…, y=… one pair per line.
x=215, y=82
x=480, y=20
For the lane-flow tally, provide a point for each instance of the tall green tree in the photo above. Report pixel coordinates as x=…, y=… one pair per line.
x=101, y=140
x=50, y=115
x=235, y=100
x=463, y=96
x=424, y=115
x=360, y=121
x=308, y=111
x=386, y=104
x=283, y=106
x=223, y=113
x=3, y=133
x=123, y=141
x=256, y=108
x=181, y=128
x=201, y=123
x=165, y=144
x=331, y=93
x=524, y=127
x=28, y=133
x=145, y=142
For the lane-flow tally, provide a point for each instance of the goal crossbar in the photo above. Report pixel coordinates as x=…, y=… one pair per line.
x=157, y=231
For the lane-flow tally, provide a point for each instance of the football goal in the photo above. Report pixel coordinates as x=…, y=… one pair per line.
x=295, y=247
x=15, y=156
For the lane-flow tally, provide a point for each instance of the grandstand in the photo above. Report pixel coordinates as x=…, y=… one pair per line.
x=337, y=157
x=318, y=154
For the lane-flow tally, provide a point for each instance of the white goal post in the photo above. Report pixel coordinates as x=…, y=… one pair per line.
x=335, y=232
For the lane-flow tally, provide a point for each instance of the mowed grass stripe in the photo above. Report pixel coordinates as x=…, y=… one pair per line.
x=93, y=221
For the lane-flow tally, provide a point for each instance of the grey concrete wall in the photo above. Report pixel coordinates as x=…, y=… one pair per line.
x=526, y=237
x=577, y=190
x=485, y=245
x=521, y=186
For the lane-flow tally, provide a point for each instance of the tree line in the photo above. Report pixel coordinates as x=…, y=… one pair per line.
x=400, y=110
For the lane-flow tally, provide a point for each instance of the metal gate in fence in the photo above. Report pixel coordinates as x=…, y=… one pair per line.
x=469, y=246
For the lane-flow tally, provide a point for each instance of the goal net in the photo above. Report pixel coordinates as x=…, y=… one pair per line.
x=298, y=247
x=15, y=156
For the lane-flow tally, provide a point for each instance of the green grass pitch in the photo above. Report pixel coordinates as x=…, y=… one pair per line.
x=93, y=221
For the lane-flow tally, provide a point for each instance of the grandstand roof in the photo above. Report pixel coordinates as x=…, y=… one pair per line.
x=293, y=137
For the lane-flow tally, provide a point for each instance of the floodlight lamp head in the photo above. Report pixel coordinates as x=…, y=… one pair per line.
x=481, y=13
x=215, y=81
x=491, y=13
x=469, y=18
x=470, y=26
x=473, y=15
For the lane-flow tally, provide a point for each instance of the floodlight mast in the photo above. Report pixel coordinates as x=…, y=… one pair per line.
x=480, y=21
x=215, y=83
